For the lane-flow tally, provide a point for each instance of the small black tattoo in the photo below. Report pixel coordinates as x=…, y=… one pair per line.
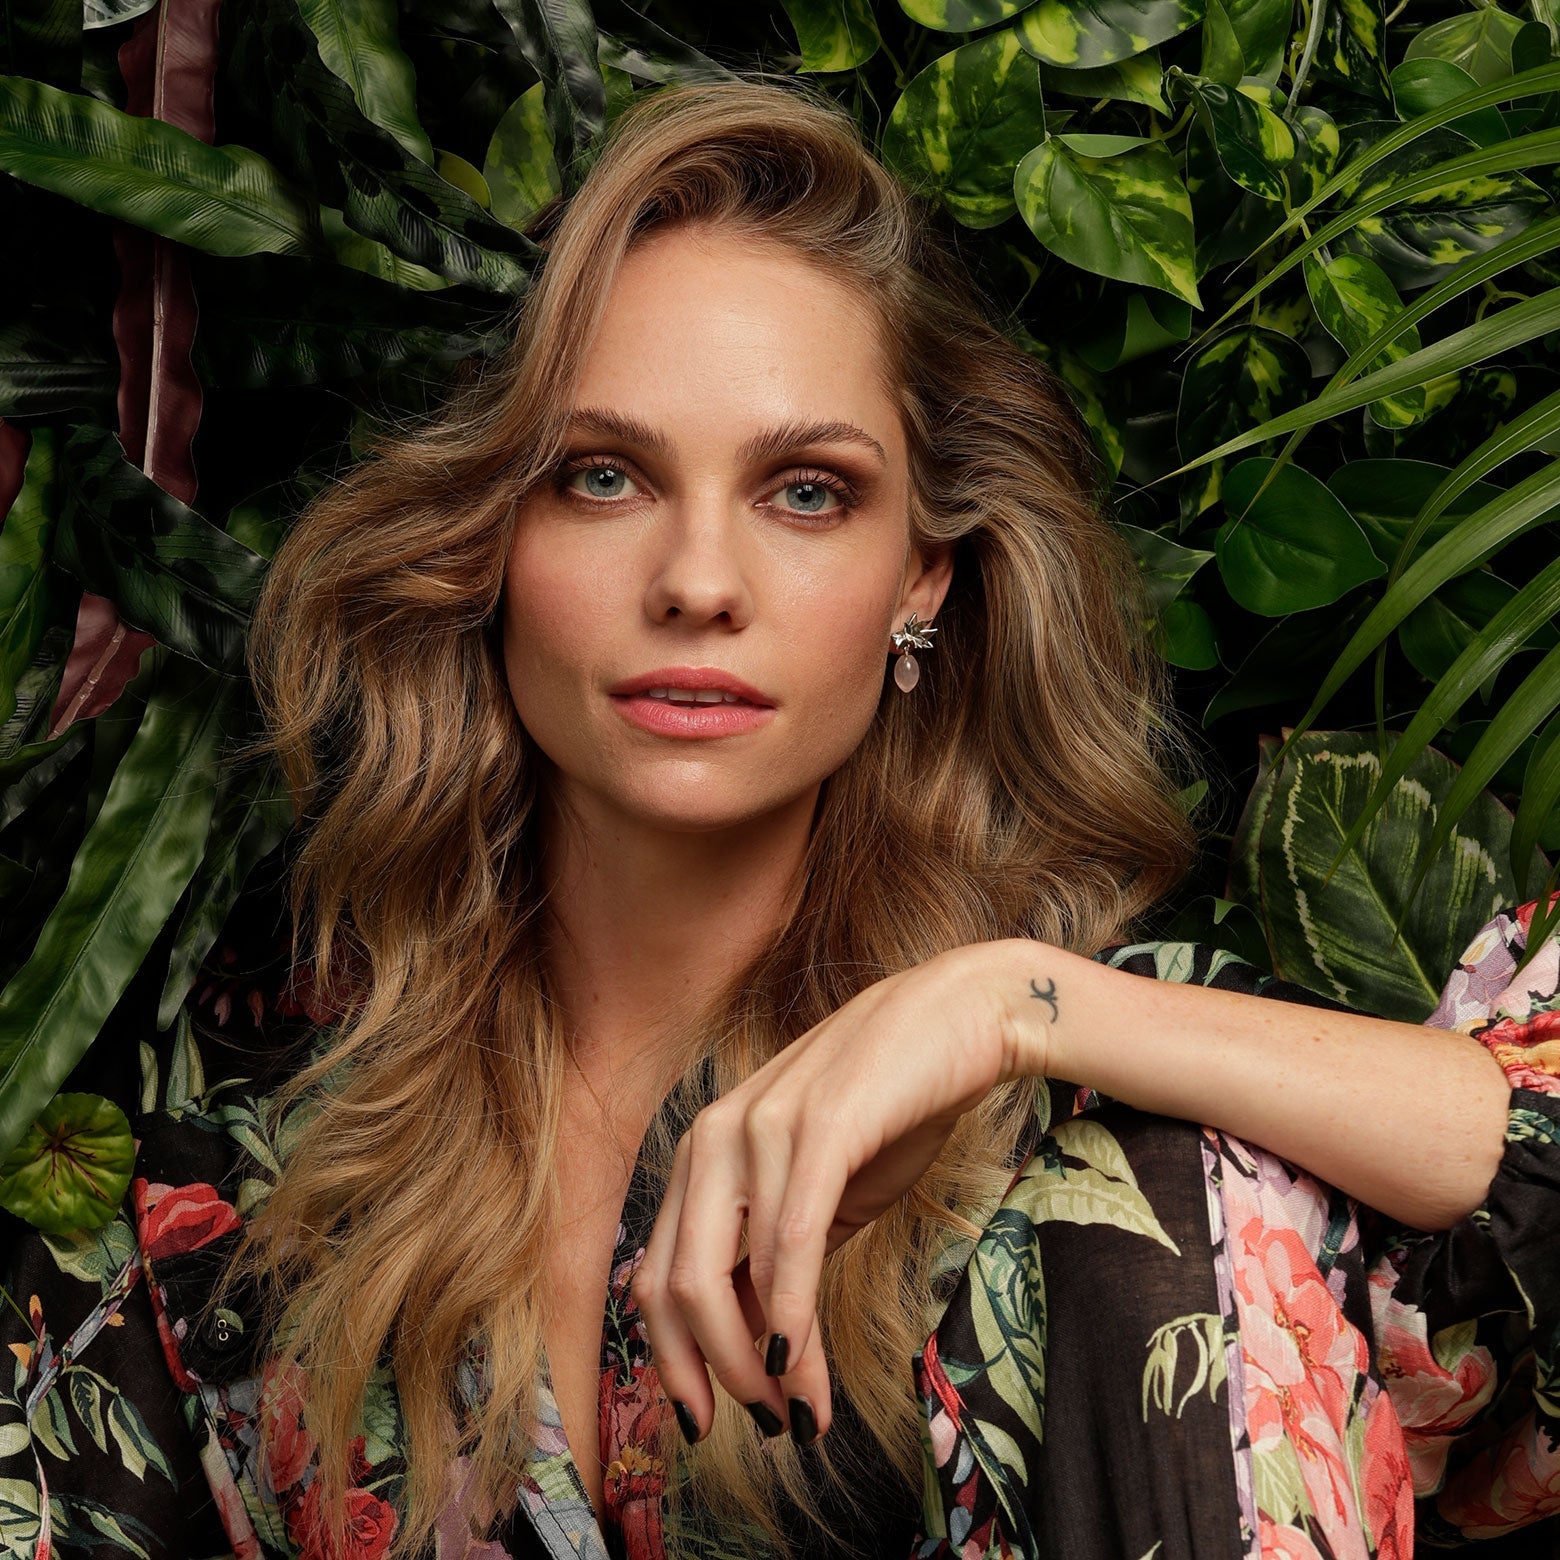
x=1048, y=995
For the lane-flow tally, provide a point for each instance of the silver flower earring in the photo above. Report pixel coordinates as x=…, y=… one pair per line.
x=907, y=673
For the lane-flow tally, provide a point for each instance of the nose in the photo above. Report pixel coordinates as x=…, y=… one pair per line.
x=700, y=571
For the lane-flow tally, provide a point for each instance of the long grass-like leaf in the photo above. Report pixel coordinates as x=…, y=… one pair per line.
x=1533, y=702
x=1512, y=327
x=1505, y=633
x=1509, y=440
x=1540, y=798
x=1530, y=83
x=1472, y=539
x=225, y=200
x=141, y=851
x=1539, y=239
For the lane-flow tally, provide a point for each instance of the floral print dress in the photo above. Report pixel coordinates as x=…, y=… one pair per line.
x=1166, y=1344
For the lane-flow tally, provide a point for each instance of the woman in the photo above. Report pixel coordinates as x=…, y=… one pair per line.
x=670, y=950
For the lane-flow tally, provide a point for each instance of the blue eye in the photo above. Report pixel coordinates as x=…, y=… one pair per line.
x=817, y=496
x=600, y=479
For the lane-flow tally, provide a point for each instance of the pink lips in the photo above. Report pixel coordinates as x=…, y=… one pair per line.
x=631, y=698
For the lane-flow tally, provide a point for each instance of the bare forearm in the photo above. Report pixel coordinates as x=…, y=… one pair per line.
x=1408, y=1119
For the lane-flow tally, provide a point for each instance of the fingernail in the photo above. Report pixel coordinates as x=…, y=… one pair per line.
x=685, y=1421
x=765, y=1418
x=775, y=1357
x=804, y=1428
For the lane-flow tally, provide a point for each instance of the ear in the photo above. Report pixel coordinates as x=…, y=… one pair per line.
x=928, y=575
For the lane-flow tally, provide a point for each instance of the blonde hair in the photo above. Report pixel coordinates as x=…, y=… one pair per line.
x=1025, y=790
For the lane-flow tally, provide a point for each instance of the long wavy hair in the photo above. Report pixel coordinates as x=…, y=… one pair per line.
x=1029, y=788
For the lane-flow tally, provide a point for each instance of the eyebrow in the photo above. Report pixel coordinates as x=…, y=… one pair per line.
x=769, y=442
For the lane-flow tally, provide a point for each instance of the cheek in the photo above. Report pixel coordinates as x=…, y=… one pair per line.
x=554, y=608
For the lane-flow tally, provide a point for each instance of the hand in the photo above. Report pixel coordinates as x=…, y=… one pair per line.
x=810, y=1149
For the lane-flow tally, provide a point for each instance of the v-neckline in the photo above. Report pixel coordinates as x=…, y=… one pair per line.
x=553, y=1492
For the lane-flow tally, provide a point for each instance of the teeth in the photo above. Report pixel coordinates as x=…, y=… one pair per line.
x=692, y=696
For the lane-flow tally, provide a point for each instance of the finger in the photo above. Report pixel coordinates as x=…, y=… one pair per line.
x=700, y=1278
x=789, y=1247
x=679, y=1364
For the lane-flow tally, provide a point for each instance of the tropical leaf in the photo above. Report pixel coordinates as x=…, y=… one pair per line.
x=520, y=169
x=251, y=818
x=169, y=570
x=558, y=40
x=834, y=34
x=1127, y=217
x=381, y=190
x=70, y=1171
x=1085, y=34
x=1289, y=545
x=359, y=43
x=142, y=849
x=226, y=200
x=1479, y=44
x=962, y=124
x=1253, y=144
x=1358, y=936
x=1354, y=299
x=28, y=587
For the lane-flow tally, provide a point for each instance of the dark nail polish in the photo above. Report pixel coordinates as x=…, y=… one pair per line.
x=804, y=1427
x=765, y=1418
x=685, y=1421
x=776, y=1356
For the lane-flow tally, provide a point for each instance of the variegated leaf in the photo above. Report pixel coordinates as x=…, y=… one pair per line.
x=963, y=123
x=834, y=34
x=1418, y=240
x=1353, y=299
x=1336, y=936
x=1083, y=34
x=1127, y=217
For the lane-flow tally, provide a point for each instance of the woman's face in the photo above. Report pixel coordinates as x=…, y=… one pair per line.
x=731, y=509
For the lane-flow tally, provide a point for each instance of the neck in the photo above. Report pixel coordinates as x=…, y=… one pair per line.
x=649, y=923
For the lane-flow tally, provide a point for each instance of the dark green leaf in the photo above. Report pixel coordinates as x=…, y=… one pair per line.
x=1292, y=547
x=962, y=124
x=1388, y=496
x=1538, y=813
x=1341, y=939
x=558, y=40
x=141, y=851
x=1352, y=46
x=27, y=584
x=1187, y=636
x=251, y=818
x=1417, y=237
x=360, y=43
x=167, y=569
x=1128, y=217
x=72, y=1168
x=1246, y=376
x=1421, y=85
x=226, y=200
x=520, y=169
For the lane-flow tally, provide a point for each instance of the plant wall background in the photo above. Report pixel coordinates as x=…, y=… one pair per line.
x=1294, y=258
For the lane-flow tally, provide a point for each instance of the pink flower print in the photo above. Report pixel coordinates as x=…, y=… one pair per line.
x=1389, y=1488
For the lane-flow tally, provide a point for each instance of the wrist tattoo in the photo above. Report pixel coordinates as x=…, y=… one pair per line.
x=1048, y=996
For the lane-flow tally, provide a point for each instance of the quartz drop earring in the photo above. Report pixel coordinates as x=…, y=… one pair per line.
x=907, y=673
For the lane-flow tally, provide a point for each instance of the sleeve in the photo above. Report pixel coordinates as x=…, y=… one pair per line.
x=1467, y=1319
x=95, y=1453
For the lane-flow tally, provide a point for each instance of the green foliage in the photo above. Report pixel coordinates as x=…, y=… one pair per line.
x=72, y=1167
x=1294, y=261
